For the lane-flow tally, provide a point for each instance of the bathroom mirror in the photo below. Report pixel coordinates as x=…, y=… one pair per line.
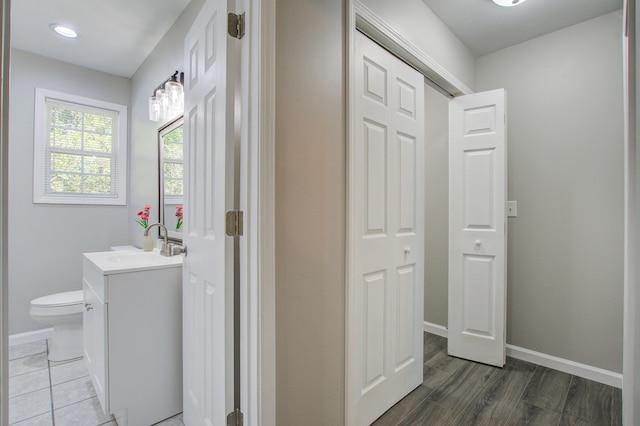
x=171, y=177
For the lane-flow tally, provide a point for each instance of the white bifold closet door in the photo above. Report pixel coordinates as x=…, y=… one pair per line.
x=386, y=226
x=477, y=227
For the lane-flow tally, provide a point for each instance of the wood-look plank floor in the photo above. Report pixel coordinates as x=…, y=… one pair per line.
x=459, y=393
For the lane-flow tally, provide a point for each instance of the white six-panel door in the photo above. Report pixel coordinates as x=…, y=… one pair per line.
x=207, y=269
x=386, y=282
x=477, y=227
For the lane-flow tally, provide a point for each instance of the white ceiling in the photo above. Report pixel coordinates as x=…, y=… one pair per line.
x=115, y=36
x=485, y=27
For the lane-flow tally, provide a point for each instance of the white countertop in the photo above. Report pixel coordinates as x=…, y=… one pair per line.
x=116, y=262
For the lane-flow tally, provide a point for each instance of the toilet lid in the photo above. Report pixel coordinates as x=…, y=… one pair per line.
x=60, y=299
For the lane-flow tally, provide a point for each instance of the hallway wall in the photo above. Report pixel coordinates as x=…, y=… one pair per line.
x=565, y=166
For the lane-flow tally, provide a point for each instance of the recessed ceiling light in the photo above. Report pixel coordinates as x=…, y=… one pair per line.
x=63, y=31
x=508, y=3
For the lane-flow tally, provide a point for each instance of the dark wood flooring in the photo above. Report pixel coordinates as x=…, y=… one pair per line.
x=458, y=392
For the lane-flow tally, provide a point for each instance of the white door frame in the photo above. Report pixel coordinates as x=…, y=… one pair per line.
x=361, y=18
x=257, y=176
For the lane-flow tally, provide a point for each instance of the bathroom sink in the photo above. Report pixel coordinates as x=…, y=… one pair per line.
x=137, y=257
x=113, y=262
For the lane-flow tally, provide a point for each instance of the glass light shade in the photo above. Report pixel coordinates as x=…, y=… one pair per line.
x=154, y=109
x=508, y=3
x=176, y=93
x=163, y=101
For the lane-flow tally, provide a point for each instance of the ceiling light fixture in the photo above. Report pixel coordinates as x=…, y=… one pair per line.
x=63, y=30
x=508, y=3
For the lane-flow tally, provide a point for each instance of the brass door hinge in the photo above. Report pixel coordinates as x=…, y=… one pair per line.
x=235, y=25
x=234, y=223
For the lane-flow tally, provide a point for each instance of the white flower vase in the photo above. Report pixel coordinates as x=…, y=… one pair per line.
x=147, y=243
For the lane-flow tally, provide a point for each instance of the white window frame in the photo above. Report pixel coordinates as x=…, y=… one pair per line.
x=40, y=195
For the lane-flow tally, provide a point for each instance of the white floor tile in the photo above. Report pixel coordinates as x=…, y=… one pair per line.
x=29, y=405
x=61, y=373
x=42, y=420
x=27, y=364
x=28, y=382
x=73, y=391
x=27, y=349
x=87, y=412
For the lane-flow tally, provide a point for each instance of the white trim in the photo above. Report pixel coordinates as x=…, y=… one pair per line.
x=30, y=336
x=258, y=359
x=438, y=330
x=266, y=122
x=376, y=28
x=567, y=366
x=40, y=194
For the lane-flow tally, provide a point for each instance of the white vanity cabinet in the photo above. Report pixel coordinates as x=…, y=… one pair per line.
x=133, y=335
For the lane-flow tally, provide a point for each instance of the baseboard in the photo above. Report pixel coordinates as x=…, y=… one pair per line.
x=577, y=369
x=438, y=330
x=30, y=336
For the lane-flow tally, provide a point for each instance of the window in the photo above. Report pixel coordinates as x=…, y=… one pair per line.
x=80, y=150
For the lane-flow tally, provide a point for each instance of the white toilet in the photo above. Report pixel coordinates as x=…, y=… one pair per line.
x=63, y=311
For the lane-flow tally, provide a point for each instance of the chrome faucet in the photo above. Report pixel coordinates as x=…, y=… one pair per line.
x=167, y=248
x=164, y=250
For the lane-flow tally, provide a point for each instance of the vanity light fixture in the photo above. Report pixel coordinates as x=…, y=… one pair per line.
x=63, y=30
x=167, y=100
x=508, y=3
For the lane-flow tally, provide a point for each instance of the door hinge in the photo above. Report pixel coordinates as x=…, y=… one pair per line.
x=235, y=25
x=235, y=418
x=234, y=223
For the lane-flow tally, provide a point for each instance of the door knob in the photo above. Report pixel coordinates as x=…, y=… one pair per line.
x=478, y=243
x=88, y=306
x=407, y=250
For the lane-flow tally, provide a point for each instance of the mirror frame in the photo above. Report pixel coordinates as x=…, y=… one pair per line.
x=165, y=129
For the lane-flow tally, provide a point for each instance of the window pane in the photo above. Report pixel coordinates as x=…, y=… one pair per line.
x=62, y=117
x=173, y=187
x=173, y=144
x=98, y=143
x=173, y=170
x=98, y=123
x=63, y=138
x=173, y=151
x=64, y=182
x=97, y=185
x=97, y=165
x=66, y=162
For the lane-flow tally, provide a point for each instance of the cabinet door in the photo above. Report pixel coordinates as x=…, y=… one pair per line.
x=95, y=342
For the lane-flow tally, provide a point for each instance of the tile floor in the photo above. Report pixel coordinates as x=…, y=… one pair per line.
x=44, y=393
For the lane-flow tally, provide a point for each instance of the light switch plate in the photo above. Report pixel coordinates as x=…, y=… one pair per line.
x=512, y=209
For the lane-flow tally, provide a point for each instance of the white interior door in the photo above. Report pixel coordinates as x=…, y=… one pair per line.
x=207, y=270
x=477, y=227
x=386, y=282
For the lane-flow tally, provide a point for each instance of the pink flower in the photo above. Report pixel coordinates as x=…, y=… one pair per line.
x=144, y=216
x=179, y=216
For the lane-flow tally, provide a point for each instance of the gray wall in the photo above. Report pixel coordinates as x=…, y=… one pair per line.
x=46, y=241
x=165, y=58
x=565, y=168
x=436, y=212
x=310, y=212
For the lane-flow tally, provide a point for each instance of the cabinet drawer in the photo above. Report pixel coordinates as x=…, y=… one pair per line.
x=94, y=278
